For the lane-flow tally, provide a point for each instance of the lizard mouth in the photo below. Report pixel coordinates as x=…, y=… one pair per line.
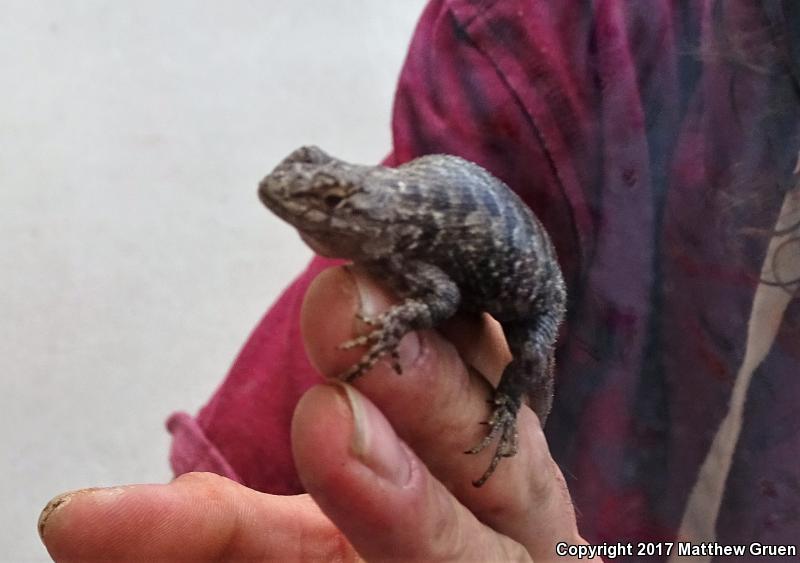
x=276, y=202
x=266, y=196
x=317, y=246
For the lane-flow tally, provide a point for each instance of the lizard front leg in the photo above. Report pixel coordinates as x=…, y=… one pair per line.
x=429, y=297
x=529, y=373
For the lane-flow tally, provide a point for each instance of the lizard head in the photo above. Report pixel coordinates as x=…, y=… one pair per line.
x=341, y=209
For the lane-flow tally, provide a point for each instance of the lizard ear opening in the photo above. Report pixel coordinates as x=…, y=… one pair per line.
x=334, y=195
x=332, y=199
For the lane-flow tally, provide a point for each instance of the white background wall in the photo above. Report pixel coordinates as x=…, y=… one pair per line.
x=135, y=257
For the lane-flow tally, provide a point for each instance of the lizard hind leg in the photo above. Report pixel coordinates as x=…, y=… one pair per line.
x=502, y=423
x=530, y=373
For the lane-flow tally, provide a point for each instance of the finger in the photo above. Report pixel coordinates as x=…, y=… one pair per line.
x=480, y=343
x=197, y=517
x=377, y=491
x=436, y=406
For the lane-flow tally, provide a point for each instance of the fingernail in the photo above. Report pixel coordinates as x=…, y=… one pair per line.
x=373, y=300
x=56, y=505
x=374, y=441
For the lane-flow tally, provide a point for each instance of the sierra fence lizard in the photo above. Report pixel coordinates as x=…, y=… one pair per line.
x=445, y=235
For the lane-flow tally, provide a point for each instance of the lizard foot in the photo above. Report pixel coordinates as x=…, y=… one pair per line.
x=380, y=342
x=365, y=339
x=502, y=423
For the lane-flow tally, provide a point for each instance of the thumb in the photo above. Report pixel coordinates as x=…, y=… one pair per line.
x=375, y=489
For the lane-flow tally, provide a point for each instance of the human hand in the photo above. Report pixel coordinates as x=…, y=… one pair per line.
x=373, y=494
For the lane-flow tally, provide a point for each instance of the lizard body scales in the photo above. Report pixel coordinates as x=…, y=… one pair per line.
x=445, y=235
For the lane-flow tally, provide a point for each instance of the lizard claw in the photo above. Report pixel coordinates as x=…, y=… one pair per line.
x=354, y=342
x=366, y=319
x=503, y=423
x=395, y=361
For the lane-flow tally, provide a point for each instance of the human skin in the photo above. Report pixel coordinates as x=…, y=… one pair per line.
x=381, y=460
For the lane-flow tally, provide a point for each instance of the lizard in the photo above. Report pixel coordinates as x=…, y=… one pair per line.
x=445, y=235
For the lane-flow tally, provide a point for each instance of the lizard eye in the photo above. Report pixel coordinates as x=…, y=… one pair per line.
x=323, y=180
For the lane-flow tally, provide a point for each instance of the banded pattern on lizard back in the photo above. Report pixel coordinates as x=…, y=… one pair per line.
x=445, y=235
